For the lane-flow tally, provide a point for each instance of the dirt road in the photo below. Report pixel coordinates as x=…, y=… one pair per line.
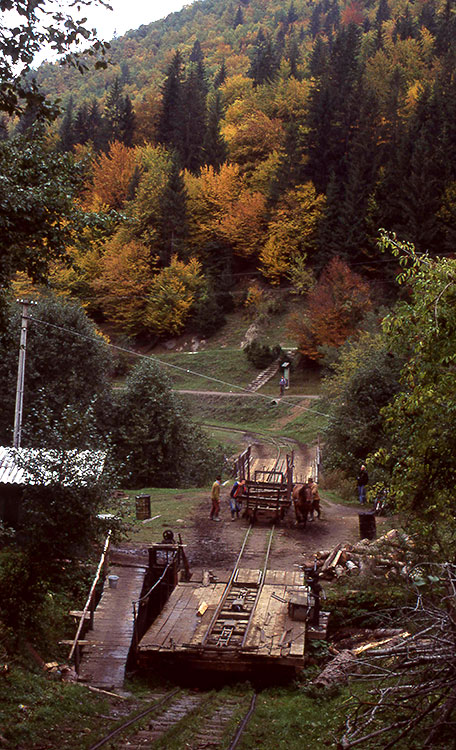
x=216, y=545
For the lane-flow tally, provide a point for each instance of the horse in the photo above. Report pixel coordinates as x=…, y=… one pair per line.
x=303, y=502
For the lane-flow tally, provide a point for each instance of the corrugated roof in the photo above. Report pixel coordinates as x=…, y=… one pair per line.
x=38, y=466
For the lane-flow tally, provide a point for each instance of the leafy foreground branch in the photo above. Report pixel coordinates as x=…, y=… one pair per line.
x=413, y=702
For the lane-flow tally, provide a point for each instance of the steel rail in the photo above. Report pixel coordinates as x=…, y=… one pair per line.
x=227, y=589
x=128, y=723
x=260, y=588
x=241, y=728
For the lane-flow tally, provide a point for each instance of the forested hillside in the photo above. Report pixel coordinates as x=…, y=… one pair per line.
x=263, y=137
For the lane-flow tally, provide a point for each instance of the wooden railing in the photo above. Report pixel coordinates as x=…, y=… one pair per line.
x=89, y=605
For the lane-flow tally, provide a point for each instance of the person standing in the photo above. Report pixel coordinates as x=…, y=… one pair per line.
x=282, y=385
x=362, y=480
x=237, y=490
x=215, y=499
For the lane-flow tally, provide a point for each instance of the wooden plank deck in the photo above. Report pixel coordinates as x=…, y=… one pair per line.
x=104, y=658
x=273, y=636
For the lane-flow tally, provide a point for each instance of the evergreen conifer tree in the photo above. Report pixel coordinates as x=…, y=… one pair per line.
x=264, y=62
x=220, y=76
x=128, y=122
x=169, y=128
x=214, y=148
x=172, y=224
x=238, y=18
x=193, y=121
x=196, y=55
x=81, y=128
x=95, y=127
x=67, y=136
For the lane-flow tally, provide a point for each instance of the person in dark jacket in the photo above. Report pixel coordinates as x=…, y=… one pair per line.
x=237, y=490
x=362, y=479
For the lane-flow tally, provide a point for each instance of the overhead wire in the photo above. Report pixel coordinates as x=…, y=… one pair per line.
x=170, y=365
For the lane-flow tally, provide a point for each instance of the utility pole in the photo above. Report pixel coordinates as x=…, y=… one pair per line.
x=21, y=373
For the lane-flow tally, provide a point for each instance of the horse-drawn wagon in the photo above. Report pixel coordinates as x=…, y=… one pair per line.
x=267, y=492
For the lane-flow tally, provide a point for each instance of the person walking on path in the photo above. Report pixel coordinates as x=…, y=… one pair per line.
x=362, y=480
x=282, y=384
x=315, y=498
x=237, y=490
x=215, y=499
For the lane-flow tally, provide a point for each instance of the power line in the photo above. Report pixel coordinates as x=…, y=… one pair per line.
x=170, y=365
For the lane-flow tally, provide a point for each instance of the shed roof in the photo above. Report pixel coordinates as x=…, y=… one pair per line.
x=39, y=466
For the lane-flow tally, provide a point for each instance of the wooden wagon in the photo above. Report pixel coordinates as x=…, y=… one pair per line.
x=267, y=491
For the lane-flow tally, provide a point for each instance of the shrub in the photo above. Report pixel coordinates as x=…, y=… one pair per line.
x=261, y=355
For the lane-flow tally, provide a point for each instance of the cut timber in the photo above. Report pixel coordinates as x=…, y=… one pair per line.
x=330, y=559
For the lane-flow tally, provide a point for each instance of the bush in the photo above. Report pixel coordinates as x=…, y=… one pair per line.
x=338, y=481
x=262, y=355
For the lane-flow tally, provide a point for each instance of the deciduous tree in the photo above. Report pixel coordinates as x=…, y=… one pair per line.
x=334, y=308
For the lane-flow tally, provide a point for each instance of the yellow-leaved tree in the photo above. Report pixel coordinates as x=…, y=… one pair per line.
x=174, y=292
x=292, y=231
x=221, y=208
x=124, y=283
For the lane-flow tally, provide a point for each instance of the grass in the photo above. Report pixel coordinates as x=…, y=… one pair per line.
x=170, y=508
x=264, y=416
x=36, y=712
x=222, y=369
x=293, y=719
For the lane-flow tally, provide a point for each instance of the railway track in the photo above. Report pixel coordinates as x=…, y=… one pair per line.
x=199, y=721
x=205, y=721
x=230, y=624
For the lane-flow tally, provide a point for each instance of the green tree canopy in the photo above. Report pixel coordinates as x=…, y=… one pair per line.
x=66, y=371
x=25, y=28
x=154, y=441
x=420, y=419
x=365, y=379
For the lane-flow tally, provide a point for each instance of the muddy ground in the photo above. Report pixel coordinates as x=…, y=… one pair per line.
x=216, y=545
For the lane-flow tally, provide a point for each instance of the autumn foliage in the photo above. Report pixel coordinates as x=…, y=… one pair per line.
x=333, y=310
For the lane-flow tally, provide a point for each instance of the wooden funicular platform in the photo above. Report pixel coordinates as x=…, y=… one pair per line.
x=239, y=622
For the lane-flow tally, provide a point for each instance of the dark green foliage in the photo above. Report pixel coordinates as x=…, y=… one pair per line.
x=262, y=355
x=65, y=374
x=22, y=36
x=334, y=107
x=214, y=147
x=168, y=129
x=290, y=168
x=264, y=60
x=119, y=118
x=209, y=313
x=154, y=441
x=81, y=126
x=239, y=18
x=193, y=118
x=67, y=137
x=39, y=216
x=367, y=378
x=220, y=76
x=172, y=222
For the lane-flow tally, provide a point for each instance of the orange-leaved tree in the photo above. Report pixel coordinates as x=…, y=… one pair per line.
x=220, y=207
x=334, y=308
x=113, y=174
